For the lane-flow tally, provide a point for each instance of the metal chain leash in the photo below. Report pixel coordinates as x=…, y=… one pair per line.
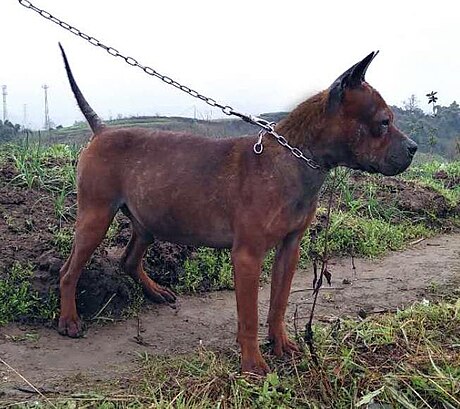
x=267, y=127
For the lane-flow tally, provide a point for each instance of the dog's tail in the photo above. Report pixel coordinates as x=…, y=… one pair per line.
x=93, y=119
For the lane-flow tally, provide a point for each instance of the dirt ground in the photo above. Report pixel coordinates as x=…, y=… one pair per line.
x=109, y=351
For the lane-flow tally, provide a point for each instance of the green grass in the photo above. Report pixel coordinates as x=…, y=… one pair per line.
x=351, y=233
x=431, y=174
x=408, y=359
x=18, y=300
x=62, y=240
x=51, y=169
x=16, y=297
x=208, y=268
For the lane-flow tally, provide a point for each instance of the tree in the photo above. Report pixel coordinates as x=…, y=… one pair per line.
x=8, y=130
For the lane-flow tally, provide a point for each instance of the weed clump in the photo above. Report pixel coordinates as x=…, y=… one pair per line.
x=19, y=300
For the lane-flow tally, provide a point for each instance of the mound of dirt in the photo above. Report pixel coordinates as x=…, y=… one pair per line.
x=448, y=182
x=414, y=200
x=28, y=225
x=163, y=260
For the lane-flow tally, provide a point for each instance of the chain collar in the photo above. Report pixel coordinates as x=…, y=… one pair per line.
x=269, y=128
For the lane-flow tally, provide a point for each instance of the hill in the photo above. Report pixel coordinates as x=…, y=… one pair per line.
x=437, y=133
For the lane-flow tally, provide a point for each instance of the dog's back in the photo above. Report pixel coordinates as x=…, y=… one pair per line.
x=156, y=176
x=178, y=187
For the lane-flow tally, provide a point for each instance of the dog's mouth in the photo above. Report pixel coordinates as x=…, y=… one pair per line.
x=373, y=169
x=398, y=159
x=395, y=167
x=391, y=168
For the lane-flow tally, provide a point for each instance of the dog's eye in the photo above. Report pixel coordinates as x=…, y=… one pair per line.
x=384, y=125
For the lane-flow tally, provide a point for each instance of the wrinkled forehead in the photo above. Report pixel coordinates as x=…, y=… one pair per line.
x=365, y=102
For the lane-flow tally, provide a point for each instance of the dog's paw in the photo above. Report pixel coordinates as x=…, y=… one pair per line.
x=160, y=295
x=281, y=344
x=254, y=366
x=71, y=327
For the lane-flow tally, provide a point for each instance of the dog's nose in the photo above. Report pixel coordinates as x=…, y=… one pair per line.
x=412, y=147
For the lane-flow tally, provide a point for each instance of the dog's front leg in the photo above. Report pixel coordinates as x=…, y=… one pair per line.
x=287, y=256
x=247, y=265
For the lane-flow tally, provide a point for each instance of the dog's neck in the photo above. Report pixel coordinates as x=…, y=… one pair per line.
x=304, y=125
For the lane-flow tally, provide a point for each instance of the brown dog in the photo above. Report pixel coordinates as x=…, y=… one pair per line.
x=218, y=193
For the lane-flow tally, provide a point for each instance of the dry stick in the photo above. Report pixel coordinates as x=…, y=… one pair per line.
x=413, y=243
x=27, y=382
x=312, y=288
x=317, y=284
x=104, y=306
x=296, y=318
x=139, y=339
x=353, y=265
x=30, y=390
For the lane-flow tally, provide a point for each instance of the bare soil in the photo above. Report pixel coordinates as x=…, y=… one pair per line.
x=109, y=351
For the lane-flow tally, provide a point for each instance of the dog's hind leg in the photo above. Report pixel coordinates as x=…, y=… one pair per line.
x=131, y=262
x=90, y=229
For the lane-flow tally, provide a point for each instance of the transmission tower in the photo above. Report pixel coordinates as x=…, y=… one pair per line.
x=47, y=114
x=24, y=119
x=5, y=110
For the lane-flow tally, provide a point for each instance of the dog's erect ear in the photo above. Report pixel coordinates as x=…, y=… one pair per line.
x=351, y=78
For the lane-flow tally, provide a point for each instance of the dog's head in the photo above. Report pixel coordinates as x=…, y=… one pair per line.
x=360, y=126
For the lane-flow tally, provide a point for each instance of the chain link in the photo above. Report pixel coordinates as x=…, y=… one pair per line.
x=267, y=127
x=295, y=151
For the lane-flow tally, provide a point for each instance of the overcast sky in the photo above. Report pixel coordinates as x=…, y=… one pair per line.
x=257, y=56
